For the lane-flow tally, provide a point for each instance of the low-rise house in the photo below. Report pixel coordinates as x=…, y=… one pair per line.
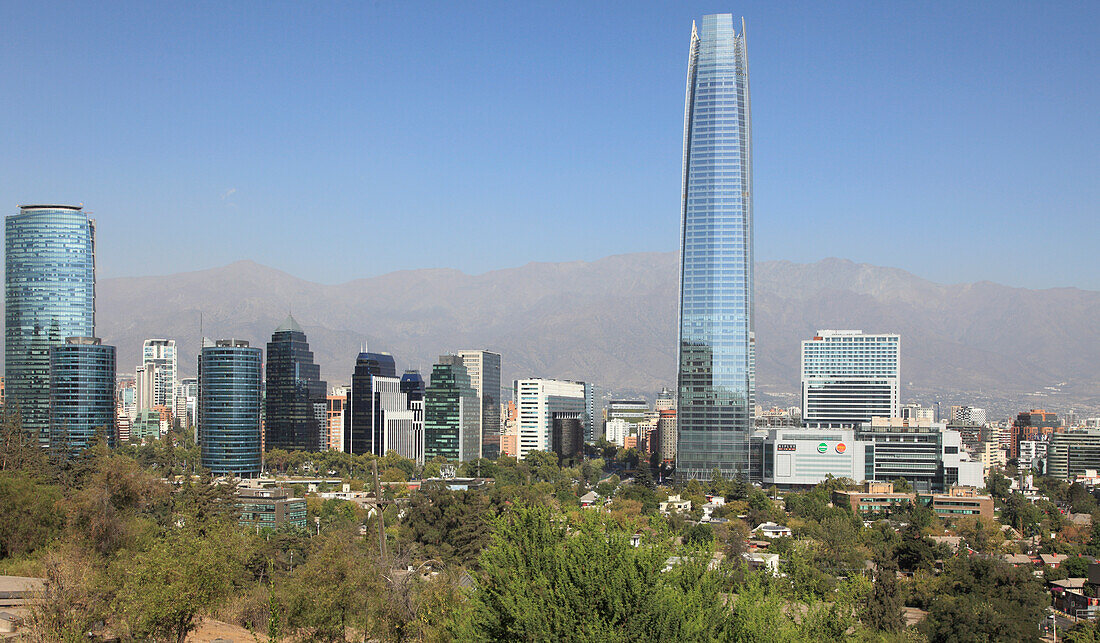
x=1053, y=560
x=772, y=530
x=590, y=499
x=674, y=504
x=763, y=561
x=951, y=541
x=1019, y=560
x=1080, y=520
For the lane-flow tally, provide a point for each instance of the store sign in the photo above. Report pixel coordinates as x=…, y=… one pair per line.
x=840, y=447
x=823, y=447
x=785, y=447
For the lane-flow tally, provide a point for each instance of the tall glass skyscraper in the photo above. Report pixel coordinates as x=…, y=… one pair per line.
x=451, y=413
x=49, y=295
x=296, y=404
x=364, y=425
x=716, y=385
x=229, y=408
x=82, y=394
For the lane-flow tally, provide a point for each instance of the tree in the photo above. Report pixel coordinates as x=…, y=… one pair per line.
x=1076, y=567
x=985, y=599
x=997, y=484
x=701, y=535
x=540, y=581
x=901, y=485
x=883, y=608
x=178, y=577
x=450, y=525
x=30, y=513
x=914, y=552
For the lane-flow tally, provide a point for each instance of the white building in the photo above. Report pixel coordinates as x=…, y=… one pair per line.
x=848, y=377
x=969, y=415
x=483, y=367
x=536, y=401
x=156, y=376
x=616, y=430
x=405, y=431
x=1032, y=452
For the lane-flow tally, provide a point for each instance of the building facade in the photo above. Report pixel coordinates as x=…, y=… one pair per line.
x=716, y=380
x=1071, y=453
x=49, y=295
x=363, y=424
x=230, y=379
x=483, y=368
x=536, y=402
x=296, y=401
x=82, y=394
x=262, y=508
x=451, y=411
x=156, y=376
x=849, y=377
x=334, y=414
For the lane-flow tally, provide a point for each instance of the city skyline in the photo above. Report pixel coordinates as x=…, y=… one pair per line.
x=921, y=153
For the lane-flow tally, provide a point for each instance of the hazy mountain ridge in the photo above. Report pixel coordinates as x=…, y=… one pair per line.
x=613, y=321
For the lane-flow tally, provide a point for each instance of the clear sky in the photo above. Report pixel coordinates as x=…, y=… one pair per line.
x=956, y=140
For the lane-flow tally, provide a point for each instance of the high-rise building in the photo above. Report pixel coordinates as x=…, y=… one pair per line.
x=49, y=295
x=364, y=426
x=230, y=379
x=405, y=428
x=187, y=403
x=567, y=435
x=451, y=411
x=666, y=436
x=156, y=376
x=335, y=418
x=296, y=405
x=82, y=393
x=536, y=402
x=968, y=415
x=716, y=382
x=483, y=367
x=666, y=401
x=1072, y=453
x=849, y=377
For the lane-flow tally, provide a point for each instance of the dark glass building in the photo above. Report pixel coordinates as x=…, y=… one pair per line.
x=716, y=383
x=364, y=427
x=412, y=386
x=295, y=392
x=49, y=295
x=451, y=413
x=82, y=394
x=229, y=408
x=567, y=435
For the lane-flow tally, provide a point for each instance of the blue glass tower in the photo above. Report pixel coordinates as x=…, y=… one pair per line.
x=716, y=384
x=49, y=294
x=364, y=426
x=82, y=394
x=295, y=400
x=229, y=408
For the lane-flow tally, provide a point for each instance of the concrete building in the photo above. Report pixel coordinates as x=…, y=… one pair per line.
x=666, y=436
x=617, y=430
x=483, y=368
x=797, y=457
x=879, y=498
x=848, y=377
x=914, y=411
x=968, y=415
x=335, y=403
x=156, y=376
x=536, y=401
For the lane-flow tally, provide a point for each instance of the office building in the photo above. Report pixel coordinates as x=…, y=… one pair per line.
x=156, y=376
x=451, y=411
x=666, y=401
x=617, y=430
x=1071, y=453
x=968, y=416
x=803, y=457
x=1033, y=455
x=49, y=295
x=536, y=402
x=666, y=436
x=914, y=411
x=1029, y=425
x=926, y=454
x=567, y=436
x=146, y=426
x=880, y=499
x=187, y=403
x=297, y=410
x=267, y=508
x=363, y=424
x=716, y=384
x=82, y=394
x=632, y=411
x=335, y=405
x=483, y=368
x=849, y=377
x=405, y=427
x=230, y=379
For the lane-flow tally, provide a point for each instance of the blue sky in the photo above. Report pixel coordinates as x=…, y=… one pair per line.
x=958, y=141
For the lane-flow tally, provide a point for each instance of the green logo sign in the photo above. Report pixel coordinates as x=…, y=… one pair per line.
x=822, y=448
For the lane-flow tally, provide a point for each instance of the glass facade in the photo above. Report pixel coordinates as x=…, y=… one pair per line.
x=49, y=295
x=229, y=408
x=483, y=368
x=716, y=383
x=82, y=394
x=451, y=411
x=294, y=389
x=364, y=427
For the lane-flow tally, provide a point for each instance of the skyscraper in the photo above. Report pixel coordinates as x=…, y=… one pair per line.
x=229, y=408
x=364, y=426
x=716, y=383
x=49, y=295
x=296, y=406
x=537, y=400
x=483, y=367
x=82, y=393
x=451, y=411
x=849, y=377
x=156, y=376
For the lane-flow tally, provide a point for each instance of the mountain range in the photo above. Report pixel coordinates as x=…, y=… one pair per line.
x=613, y=322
